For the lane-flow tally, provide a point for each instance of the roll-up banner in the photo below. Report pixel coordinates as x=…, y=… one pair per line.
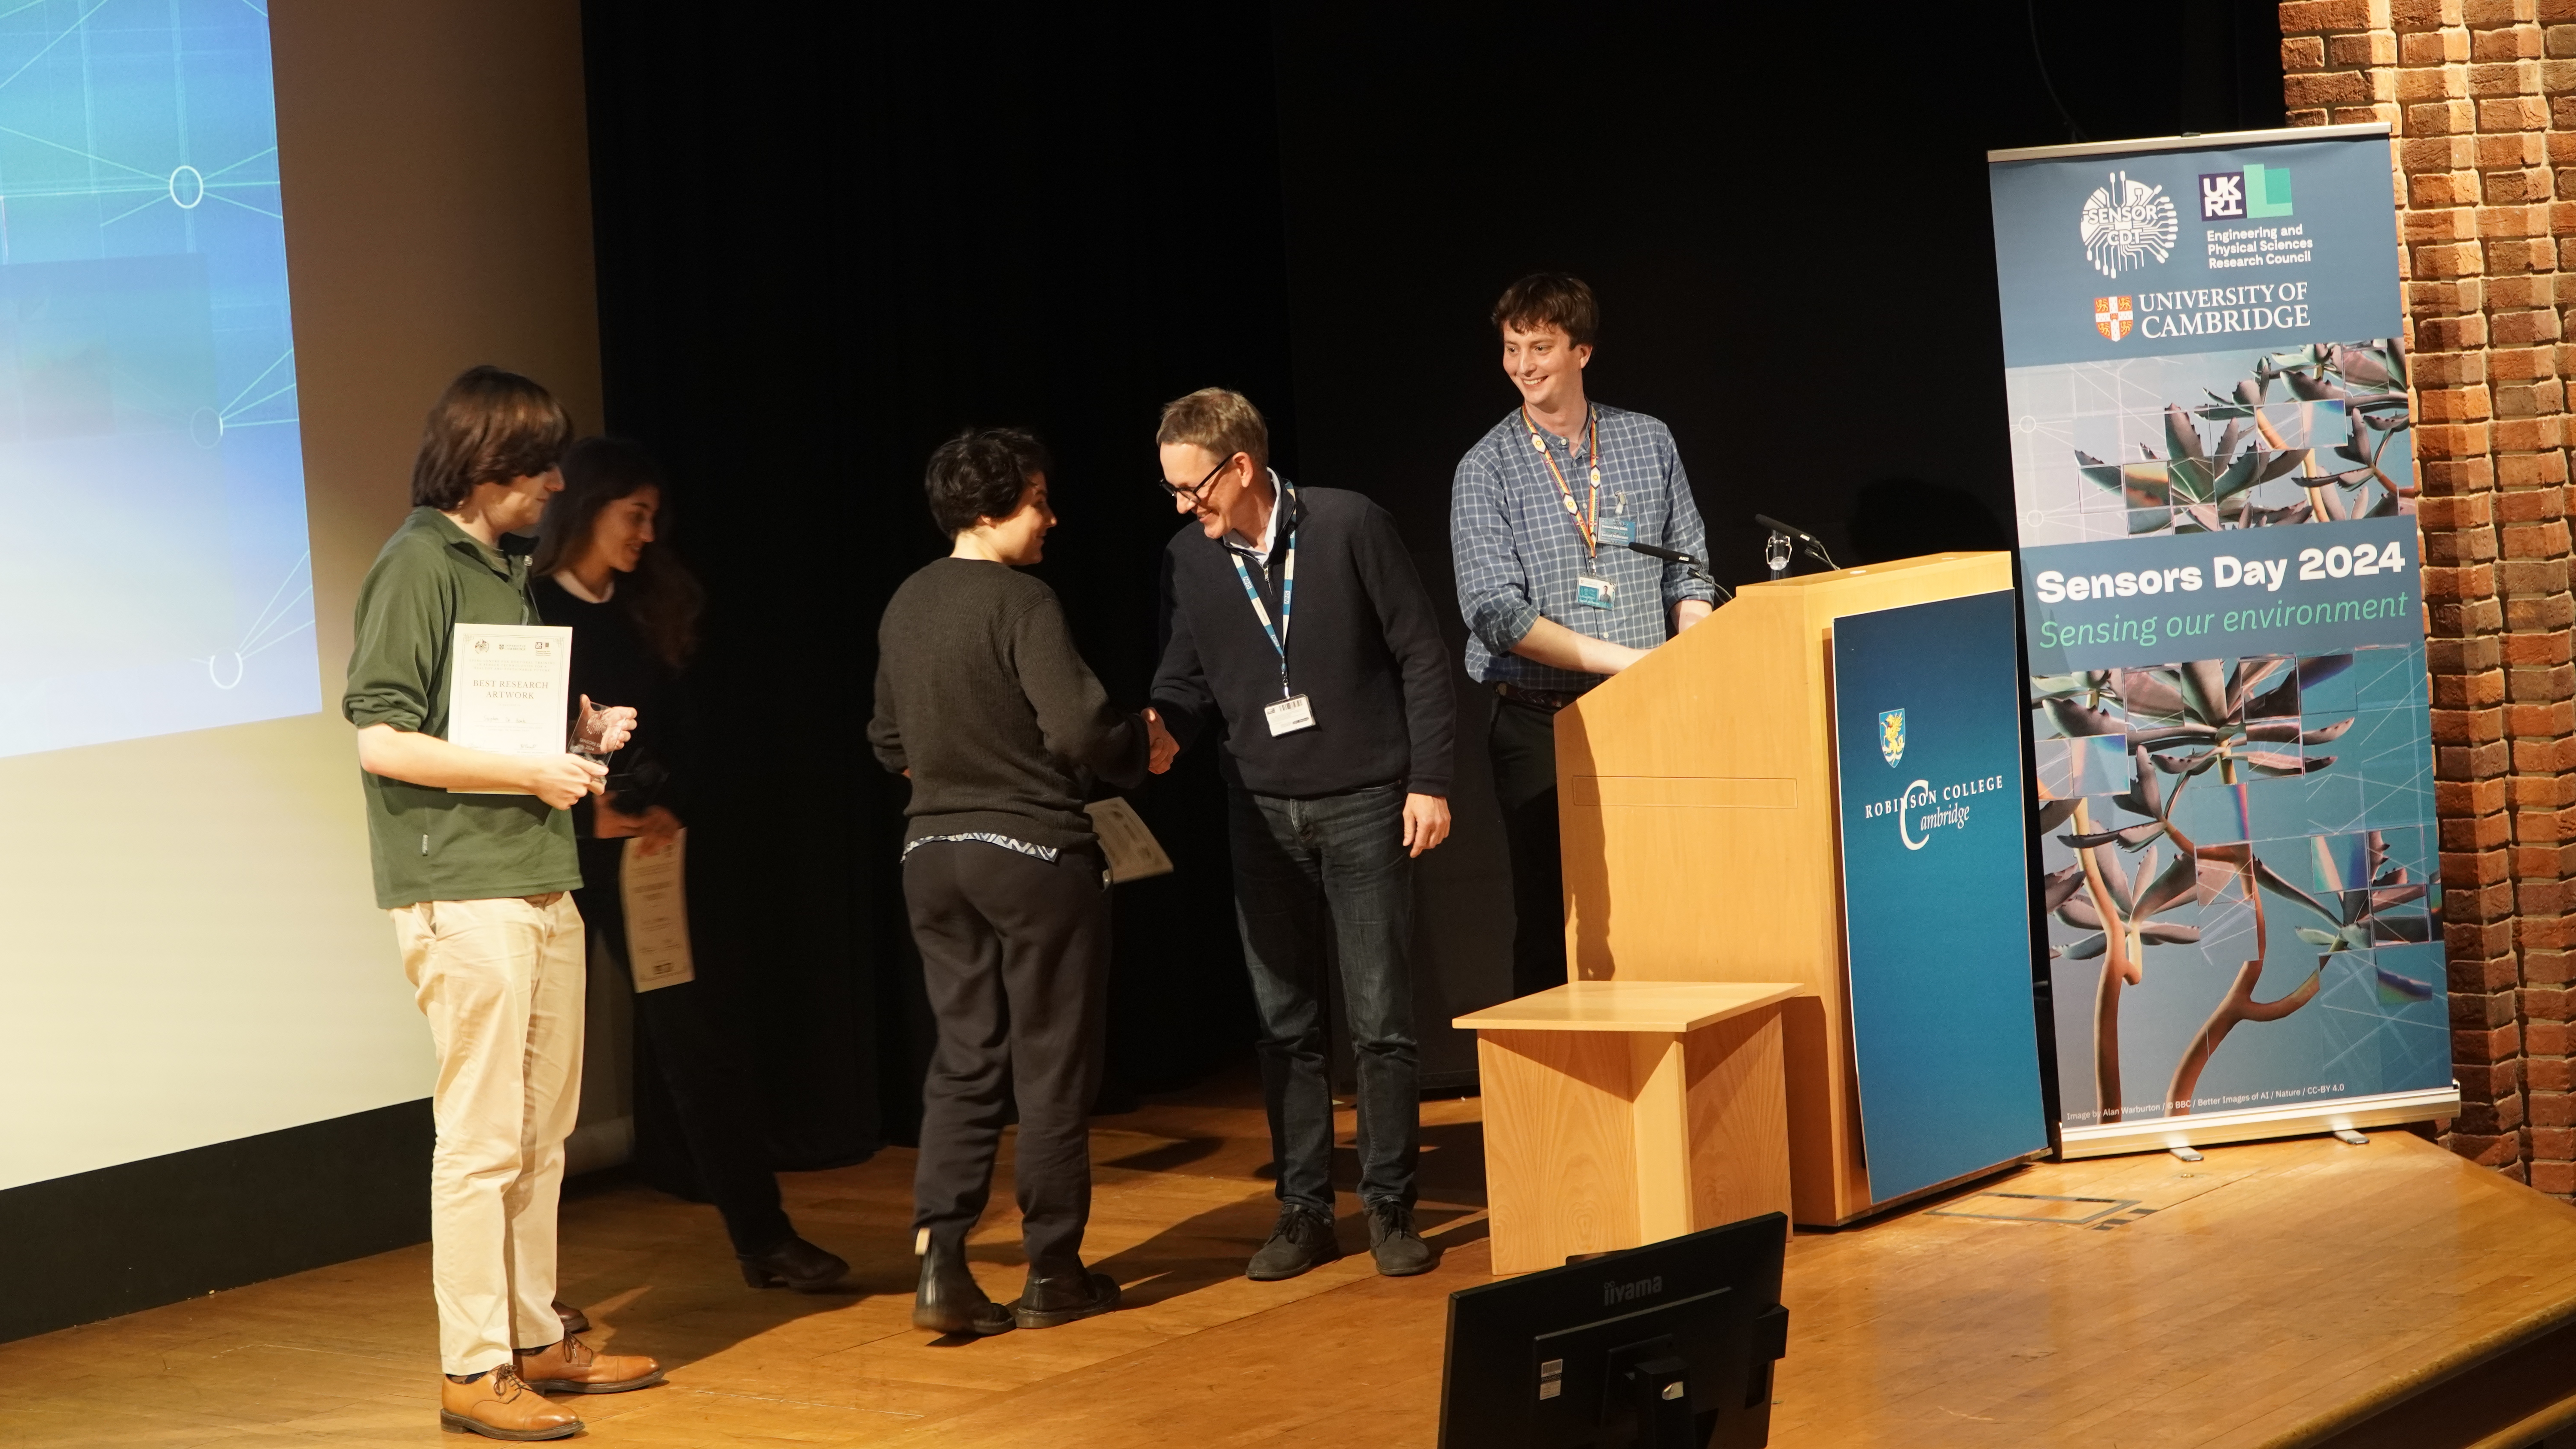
x=2215, y=493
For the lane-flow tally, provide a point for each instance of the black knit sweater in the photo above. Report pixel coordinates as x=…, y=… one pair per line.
x=613, y=665
x=981, y=695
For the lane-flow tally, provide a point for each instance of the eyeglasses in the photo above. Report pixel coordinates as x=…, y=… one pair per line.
x=1198, y=490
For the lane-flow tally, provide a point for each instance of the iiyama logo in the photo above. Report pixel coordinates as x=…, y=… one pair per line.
x=1622, y=1292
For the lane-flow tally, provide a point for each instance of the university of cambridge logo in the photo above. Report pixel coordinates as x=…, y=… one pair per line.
x=2127, y=224
x=2113, y=316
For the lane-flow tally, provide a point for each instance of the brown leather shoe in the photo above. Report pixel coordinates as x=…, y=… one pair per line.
x=570, y=1367
x=574, y=1320
x=500, y=1405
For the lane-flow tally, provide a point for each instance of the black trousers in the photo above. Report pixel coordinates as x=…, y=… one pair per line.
x=1015, y=957
x=1521, y=742
x=694, y=1101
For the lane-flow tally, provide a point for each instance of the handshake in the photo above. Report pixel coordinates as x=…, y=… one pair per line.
x=1162, y=749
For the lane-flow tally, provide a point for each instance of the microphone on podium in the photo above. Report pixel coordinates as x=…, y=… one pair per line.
x=1697, y=569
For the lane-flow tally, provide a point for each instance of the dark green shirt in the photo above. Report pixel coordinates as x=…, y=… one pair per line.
x=430, y=845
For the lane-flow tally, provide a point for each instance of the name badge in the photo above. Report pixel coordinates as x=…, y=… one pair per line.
x=1622, y=531
x=1590, y=592
x=1289, y=715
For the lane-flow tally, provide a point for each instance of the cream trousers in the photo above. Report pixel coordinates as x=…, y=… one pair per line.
x=501, y=984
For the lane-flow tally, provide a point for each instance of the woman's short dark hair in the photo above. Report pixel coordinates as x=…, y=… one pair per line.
x=490, y=426
x=661, y=596
x=981, y=473
x=1550, y=299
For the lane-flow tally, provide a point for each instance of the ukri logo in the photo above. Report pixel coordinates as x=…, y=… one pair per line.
x=2252, y=194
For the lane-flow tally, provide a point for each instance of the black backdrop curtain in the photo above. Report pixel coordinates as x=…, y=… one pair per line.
x=831, y=235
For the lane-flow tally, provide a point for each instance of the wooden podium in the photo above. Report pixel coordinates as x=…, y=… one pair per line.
x=1696, y=797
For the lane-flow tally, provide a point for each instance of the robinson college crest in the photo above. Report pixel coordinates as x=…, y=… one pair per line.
x=2127, y=224
x=1891, y=735
x=2113, y=316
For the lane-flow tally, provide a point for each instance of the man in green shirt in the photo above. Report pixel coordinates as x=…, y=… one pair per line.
x=479, y=886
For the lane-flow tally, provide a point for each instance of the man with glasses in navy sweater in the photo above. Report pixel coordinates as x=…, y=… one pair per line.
x=1295, y=617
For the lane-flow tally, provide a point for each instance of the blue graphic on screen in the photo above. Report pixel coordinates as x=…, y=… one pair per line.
x=154, y=564
x=1936, y=889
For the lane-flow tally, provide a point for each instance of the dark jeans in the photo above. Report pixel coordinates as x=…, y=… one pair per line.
x=1522, y=744
x=1302, y=867
x=693, y=1099
x=1015, y=956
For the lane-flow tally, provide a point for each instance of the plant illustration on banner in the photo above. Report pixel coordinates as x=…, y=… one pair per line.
x=2164, y=755
x=2328, y=449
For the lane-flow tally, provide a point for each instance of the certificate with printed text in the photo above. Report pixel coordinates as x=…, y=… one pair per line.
x=1132, y=850
x=508, y=690
x=654, y=890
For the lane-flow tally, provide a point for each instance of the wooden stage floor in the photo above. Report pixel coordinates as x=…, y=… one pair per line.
x=2274, y=1295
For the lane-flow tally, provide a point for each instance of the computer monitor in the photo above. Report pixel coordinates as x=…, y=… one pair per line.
x=1668, y=1346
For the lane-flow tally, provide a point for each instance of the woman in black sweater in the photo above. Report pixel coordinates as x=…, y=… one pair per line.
x=633, y=611
x=982, y=701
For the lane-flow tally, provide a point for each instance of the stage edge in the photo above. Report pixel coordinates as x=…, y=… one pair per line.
x=2204, y=1129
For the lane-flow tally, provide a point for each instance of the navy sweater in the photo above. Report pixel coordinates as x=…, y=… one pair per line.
x=1362, y=647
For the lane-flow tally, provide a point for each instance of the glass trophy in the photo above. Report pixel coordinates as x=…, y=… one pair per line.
x=590, y=734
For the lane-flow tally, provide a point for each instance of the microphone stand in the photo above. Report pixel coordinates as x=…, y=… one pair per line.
x=1697, y=569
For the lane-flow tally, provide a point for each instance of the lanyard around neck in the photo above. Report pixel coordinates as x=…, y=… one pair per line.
x=1284, y=525
x=1586, y=522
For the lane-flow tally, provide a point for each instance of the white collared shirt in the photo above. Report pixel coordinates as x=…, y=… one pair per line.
x=565, y=581
x=1270, y=529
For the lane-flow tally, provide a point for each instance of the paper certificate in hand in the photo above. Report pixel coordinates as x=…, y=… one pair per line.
x=1133, y=851
x=654, y=890
x=508, y=689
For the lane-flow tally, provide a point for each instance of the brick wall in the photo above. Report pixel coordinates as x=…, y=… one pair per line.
x=2481, y=96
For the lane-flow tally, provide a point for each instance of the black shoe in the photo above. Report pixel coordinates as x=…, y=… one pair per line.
x=1302, y=1240
x=1053, y=1302
x=950, y=1300
x=1399, y=1250
x=795, y=1264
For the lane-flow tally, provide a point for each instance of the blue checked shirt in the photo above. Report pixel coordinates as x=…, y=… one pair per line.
x=1518, y=554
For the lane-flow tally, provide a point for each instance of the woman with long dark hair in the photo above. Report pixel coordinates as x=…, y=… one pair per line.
x=634, y=612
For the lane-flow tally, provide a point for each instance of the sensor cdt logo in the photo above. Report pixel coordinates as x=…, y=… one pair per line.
x=2113, y=316
x=2127, y=224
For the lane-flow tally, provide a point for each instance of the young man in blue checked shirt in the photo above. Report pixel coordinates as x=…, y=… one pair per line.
x=1294, y=617
x=1541, y=512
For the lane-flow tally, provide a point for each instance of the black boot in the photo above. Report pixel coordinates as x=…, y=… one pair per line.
x=795, y=1264
x=950, y=1300
x=1050, y=1302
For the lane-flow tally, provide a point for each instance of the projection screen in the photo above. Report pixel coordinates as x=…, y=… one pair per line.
x=189, y=947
